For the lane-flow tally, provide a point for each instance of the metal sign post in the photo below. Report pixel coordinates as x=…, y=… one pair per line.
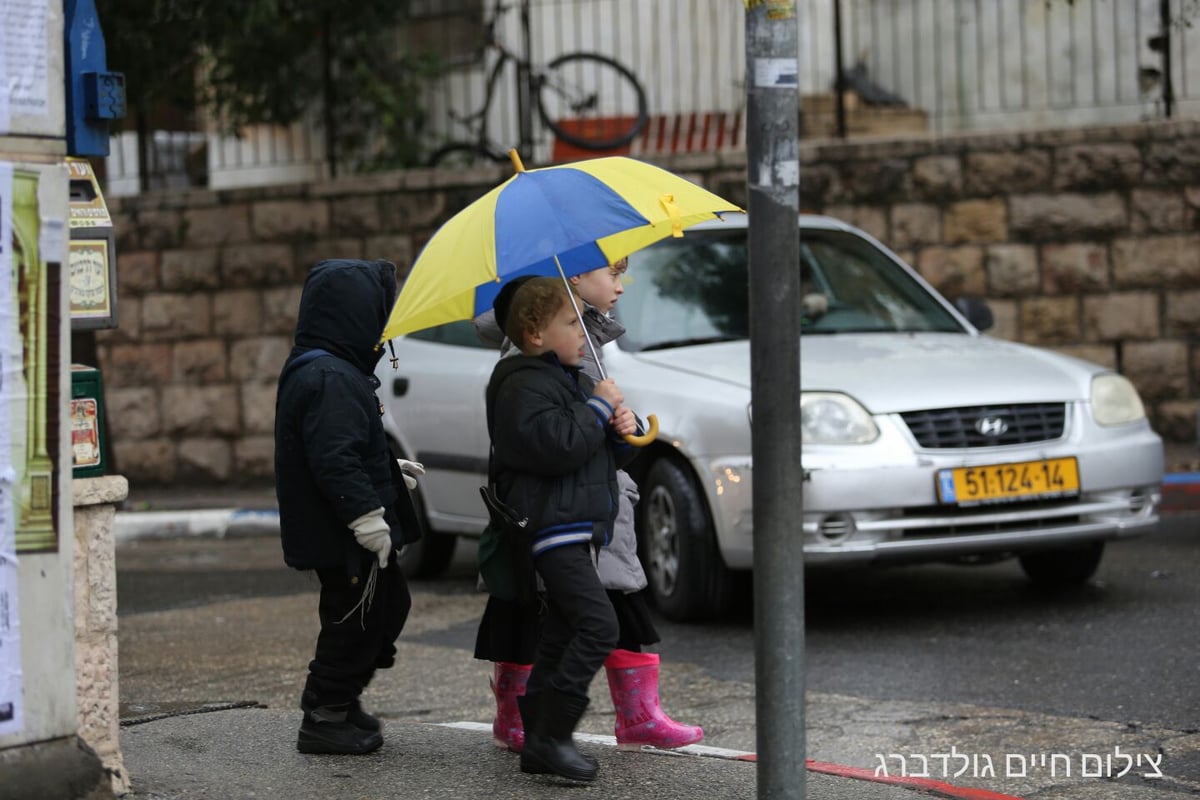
x=773, y=178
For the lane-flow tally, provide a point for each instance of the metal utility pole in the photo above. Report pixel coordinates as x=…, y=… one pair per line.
x=773, y=181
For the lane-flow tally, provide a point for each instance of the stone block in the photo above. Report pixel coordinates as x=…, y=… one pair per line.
x=1068, y=268
x=937, y=178
x=356, y=215
x=1011, y=270
x=189, y=270
x=915, y=224
x=954, y=271
x=1156, y=211
x=1097, y=166
x=176, y=316
x=1175, y=421
x=201, y=361
x=1123, y=315
x=237, y=312
x=309, y=253
x=289, y=220
x=160, y=230
x=136, y=365
x=1049, y=320
x=280, y=309
x=132, y=414
x=205, y=459
x=217, y=225
x=1059, y=217
x=1182, y=319
x=1103, y=354
x=137, y=271
x=397, y=249
x=201, y=410
x=129, y=320
x=1001, y=173
x=257, y=265
x=1005, y=323
x=258, y=360
x=869, y=218
x=877, y=181
x=145, y=461
x=1169, y=262
x=1172, y=162
x=254, y=458
x=975, y=221
x=258, y=408
x=1158, y=369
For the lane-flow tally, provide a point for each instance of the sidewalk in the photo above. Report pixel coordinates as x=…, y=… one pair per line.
x=206, y=755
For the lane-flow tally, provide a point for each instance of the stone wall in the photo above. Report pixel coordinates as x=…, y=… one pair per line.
x=1085, y=240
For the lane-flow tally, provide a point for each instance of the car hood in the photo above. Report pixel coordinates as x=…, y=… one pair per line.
x=902, y=372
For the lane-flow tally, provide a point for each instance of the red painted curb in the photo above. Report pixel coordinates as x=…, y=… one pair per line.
x=924, y=784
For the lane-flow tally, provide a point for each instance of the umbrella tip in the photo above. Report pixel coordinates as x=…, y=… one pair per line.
x=516, y=160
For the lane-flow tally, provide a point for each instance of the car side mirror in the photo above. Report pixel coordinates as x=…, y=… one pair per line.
x=976, y=310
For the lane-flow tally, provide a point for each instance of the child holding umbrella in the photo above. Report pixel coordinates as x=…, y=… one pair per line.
x=508, y=631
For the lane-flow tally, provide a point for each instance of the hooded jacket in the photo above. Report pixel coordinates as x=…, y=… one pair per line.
x=332, y=460
x=554, y=457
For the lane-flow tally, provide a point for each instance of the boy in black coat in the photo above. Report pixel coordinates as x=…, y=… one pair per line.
x=556, y=442
x=344, y=506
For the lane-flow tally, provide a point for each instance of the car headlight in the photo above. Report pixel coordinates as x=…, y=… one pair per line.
x=1115, y=401
x=834, y=418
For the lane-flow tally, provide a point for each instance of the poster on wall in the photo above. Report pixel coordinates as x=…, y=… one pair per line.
x=30, y=357
x=23, y=60
x=11, y=687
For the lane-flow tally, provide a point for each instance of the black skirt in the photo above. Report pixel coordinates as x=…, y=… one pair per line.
x=509, y=630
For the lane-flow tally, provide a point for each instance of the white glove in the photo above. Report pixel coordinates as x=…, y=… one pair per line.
x=410, y=469
x=373, y=533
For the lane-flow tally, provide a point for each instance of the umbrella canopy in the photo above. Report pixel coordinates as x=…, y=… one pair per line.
x=584, y=215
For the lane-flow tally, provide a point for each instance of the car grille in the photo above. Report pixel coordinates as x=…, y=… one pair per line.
x=966, y=521
x=986, y=426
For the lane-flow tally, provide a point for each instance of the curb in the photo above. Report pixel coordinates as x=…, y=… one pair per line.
x=215, y=522
x=923, y=785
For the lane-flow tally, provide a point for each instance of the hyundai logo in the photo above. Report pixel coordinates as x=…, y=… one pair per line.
x=991, y=426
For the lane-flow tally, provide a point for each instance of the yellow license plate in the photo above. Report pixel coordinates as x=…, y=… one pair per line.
x=1004, y=483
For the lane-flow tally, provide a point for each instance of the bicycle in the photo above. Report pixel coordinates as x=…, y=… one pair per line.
x=587, y=100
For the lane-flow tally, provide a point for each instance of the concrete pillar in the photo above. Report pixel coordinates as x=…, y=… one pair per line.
x=96, y=693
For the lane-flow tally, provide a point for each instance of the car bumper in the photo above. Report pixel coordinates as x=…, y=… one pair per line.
x=856, y=512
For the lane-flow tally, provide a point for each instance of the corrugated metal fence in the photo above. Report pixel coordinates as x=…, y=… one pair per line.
x=908, y=66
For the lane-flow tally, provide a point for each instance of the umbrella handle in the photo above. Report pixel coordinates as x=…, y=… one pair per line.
x=647, y=437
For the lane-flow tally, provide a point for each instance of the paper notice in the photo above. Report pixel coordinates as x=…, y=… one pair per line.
x=23, y=64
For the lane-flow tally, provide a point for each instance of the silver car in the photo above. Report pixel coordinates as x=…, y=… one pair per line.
x=923, y=440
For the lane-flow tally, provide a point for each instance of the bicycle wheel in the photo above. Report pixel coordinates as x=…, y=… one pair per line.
x=591, y=101
x=464, y=154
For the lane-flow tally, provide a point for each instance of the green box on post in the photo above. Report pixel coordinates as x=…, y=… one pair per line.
x=88, y=436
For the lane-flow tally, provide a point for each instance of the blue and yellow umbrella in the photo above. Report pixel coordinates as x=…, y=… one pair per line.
x=556, y=221
x=561, y=220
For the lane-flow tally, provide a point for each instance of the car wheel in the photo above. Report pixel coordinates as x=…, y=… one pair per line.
x=1068, y=566
x=687, y=578
x=429, y=556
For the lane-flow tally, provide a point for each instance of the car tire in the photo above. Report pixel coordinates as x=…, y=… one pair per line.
x=687, y=578
x=1068, y=566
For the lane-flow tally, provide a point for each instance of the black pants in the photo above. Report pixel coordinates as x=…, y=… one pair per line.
x=579, y=628
x=348, y=652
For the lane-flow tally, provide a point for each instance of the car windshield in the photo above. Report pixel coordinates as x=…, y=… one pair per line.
x=694, y=290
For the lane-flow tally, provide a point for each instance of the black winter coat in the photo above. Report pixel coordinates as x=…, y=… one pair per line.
x=332, y=460
x=554, y=459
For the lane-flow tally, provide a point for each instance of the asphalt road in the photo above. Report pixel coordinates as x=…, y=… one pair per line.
x=900, y=658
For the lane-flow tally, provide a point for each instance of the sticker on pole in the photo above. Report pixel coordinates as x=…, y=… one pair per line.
x=776, y=73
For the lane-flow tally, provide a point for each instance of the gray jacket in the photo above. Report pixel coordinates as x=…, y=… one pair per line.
x=620, y=569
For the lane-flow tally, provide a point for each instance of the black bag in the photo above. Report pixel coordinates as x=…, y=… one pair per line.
x=505, y=552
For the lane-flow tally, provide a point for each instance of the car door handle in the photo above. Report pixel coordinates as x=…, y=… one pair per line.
x=399, y=387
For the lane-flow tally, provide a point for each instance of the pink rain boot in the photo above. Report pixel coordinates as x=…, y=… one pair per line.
x=509, y=684
x=633, y=682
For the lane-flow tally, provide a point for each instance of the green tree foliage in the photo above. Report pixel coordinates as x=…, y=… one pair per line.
x=273, y=62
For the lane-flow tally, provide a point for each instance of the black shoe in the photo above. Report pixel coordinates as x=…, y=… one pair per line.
x=549, y=747
x=361, y=719
x=327, y=730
